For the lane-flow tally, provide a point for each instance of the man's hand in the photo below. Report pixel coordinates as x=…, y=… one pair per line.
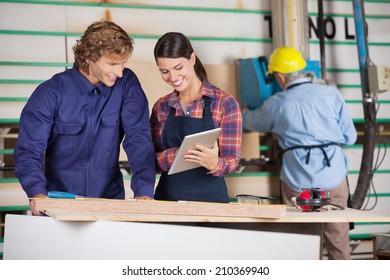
x=145, y=197
x=34, y=211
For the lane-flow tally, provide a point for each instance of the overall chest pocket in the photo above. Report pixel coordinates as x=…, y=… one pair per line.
x=110, y=132
x=67, y=136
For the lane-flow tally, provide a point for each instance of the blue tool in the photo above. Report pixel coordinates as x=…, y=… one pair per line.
x=256, y=86
x=56, y=194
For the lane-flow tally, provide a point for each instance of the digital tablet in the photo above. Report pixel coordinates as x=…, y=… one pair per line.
x=204, y=138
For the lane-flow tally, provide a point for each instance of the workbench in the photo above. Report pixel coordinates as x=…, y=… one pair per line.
x=76, y=232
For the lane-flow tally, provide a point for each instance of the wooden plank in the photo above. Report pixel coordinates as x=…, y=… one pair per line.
x=84, y=216
x=12, y=194
x=287, y=214
x=10, y=110
x=250, y=147
x=155, y=207
x=9, y=136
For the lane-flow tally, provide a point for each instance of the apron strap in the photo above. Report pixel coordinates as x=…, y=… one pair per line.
x=297, y=84
x=309, y=147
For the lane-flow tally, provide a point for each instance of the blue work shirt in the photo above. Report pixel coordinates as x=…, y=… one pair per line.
x=70, y=135
x=303, y=115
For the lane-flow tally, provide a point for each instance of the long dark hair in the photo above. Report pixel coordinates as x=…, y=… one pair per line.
x=176, y=45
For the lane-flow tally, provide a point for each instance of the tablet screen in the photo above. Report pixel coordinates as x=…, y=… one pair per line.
x=204, y=138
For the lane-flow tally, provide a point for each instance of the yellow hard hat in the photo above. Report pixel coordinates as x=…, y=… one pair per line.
x=285, y=60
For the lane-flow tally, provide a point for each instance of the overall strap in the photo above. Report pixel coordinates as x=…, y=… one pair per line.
x=297, y=84
x=309, y=147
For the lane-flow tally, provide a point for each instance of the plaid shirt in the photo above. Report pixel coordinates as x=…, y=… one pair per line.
x=226, y=114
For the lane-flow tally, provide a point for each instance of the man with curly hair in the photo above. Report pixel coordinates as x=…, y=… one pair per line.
x=73, y=124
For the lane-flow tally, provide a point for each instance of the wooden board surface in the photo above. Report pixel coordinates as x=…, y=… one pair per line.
x=12, y=194
x=292, y=216
x=153, y=207
x=164, y=211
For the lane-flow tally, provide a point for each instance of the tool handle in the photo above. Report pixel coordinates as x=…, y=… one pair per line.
x=56, y=194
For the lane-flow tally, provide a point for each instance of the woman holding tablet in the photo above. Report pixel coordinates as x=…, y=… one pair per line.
x=193, y=106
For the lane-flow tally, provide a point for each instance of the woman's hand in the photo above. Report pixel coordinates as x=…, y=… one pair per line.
x=205, y=157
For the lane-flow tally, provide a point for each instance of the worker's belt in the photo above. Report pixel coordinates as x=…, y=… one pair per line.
x=309, y=147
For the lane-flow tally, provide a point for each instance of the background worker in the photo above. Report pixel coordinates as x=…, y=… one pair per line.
x=193, y=106
x=73, y=124
x=311, y=123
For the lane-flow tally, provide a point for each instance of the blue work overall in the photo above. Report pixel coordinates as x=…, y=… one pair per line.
x=194, y=184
